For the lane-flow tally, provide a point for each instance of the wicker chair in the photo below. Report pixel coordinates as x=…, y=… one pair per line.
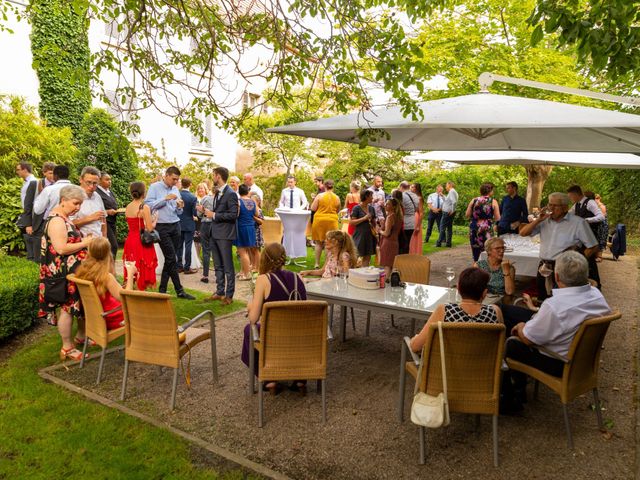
x=272, y=230
x=412, y=269
x=95, y=325
x=151, y=335
x=473, y=356
x=580, y=372
x=292, y=345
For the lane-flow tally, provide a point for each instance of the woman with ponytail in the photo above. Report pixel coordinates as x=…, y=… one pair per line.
x=341, y=256
x=272, y=285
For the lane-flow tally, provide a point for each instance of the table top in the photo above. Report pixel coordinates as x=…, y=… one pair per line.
x=292, y=211
x=414, y=299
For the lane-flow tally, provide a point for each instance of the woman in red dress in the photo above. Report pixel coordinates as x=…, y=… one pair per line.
x=353, y=199
x=139, y=217
x=97, y=268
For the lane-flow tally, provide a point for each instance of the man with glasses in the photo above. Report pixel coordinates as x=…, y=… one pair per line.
x=559, y=231
x=91, y=218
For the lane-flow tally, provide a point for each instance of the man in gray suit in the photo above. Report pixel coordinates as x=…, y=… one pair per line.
x=223, y=233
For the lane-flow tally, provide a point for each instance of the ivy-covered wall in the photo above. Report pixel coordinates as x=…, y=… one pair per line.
x=61, y=58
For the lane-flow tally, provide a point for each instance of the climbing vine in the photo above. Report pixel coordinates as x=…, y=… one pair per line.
x=60, y=48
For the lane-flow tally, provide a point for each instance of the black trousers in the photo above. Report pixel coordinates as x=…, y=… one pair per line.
x=169, y=241
x=205, y=243
x=223, y=267
x=113, y=238
x=432, y=218
x=404, y=240
x=517, y=381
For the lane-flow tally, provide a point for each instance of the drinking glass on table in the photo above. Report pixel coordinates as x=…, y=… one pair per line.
x=450, y=274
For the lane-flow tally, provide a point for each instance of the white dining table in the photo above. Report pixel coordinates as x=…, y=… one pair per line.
x=414, y=300
x=523, y=253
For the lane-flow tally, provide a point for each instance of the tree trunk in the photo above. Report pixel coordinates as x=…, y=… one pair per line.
x=537, y=175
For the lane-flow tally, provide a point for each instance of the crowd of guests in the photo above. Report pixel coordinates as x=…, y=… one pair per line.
x=72, y=229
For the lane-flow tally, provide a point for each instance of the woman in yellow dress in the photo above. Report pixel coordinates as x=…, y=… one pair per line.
x=326, y=206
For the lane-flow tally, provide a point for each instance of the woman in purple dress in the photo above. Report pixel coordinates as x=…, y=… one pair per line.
x=272, y=285
x=483, y=212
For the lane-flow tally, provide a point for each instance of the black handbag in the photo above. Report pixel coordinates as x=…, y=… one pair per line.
x=148, y=237
x=55, y=290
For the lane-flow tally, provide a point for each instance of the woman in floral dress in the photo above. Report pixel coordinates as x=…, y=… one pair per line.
x=62, y=250
x=483, y=212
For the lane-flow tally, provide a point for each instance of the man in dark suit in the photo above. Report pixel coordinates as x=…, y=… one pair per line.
x=187, y=227
x=32, y=223
x=223, y=233
x=110, y=206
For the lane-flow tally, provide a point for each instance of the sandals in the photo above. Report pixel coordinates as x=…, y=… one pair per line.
x=72, y=354
x=80, y=341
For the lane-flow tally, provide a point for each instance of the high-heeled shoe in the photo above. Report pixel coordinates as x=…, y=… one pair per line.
x=80, y=341
x=72, y=354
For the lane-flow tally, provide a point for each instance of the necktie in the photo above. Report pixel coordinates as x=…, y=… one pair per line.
x=438, y=202
x=291, y=198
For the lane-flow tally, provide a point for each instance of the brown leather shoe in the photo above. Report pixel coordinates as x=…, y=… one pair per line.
x=191, y=271
x=226, y=301
x=215, y=297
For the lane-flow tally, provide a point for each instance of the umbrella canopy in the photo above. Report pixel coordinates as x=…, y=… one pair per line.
x=486, y=122
x=570, y=159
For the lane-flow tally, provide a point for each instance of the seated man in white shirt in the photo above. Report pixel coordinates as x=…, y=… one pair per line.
x=554, y=326
x=91, y=218
x=293, y=197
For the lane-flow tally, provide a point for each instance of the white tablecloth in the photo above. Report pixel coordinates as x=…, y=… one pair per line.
x=525, y=255
x=195, y=260
x=294, y=226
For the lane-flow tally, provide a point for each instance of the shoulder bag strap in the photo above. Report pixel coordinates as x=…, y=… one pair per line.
x=140, y=221
x=444, y=368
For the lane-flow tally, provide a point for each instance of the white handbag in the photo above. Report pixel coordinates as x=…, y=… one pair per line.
x=427, y=410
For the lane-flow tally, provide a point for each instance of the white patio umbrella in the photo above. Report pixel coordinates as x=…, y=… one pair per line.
x=571, y=159
x=486, y=121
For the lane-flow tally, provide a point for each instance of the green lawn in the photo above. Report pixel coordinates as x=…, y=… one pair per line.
x=49, y=432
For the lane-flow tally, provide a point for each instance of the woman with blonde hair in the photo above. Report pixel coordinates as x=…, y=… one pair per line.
x=352, y=199
x=97, y=268
x=202, y=190
x=341, y=256
x=273, y=284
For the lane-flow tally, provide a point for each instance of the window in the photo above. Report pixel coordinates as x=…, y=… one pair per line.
x=250, y=100
x=207, y=126
x=121, y=113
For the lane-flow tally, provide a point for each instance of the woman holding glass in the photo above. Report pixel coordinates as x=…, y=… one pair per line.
x=389, y=236
x=502, y=272
x=363, y=220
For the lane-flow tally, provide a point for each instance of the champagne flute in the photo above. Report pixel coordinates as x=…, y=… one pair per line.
x=450, y=274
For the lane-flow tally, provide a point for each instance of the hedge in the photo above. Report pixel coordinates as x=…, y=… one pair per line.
x=18, y=294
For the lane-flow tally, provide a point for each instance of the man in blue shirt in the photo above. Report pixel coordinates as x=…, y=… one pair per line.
x=513, y=210
x=164, y=198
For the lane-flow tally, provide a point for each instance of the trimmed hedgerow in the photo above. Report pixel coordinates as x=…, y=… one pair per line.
x=18, y=294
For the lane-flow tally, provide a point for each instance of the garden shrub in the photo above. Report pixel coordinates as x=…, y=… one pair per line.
x=18, y=294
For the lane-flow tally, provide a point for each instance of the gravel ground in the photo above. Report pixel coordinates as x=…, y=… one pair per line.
x=362, y=438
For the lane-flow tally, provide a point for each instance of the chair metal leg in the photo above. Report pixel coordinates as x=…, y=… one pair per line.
x=84, y=351
x=174, y=387
x=596, y=401
x=324, y=401
x=495, y=440
x=343, y=324
x=403, y=381
x=422, y=432
x=353, y=320
x=214, y=350
x=124, y=379
x=366, y=333
x=331, y=317
x=536, y=387
x=260, y=403
x=104, y=350
x=393, y=320
x=567, y=425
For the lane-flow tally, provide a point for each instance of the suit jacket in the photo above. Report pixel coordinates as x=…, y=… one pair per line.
x=226, y=209
x=187, y=224
x=110, y=203
x=28, y=218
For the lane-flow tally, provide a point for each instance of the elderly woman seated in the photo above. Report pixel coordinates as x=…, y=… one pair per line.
x=502, y=273
x=472, y=286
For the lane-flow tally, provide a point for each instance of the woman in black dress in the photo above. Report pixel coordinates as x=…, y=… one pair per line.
x=363, y=218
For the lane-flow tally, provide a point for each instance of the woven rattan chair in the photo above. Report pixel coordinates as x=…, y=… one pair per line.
x=292, y=346
x=473, y=356
x=151, y=335
x=580, y=372
x=95, y=325
x=412, y=269
x=272, y=230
